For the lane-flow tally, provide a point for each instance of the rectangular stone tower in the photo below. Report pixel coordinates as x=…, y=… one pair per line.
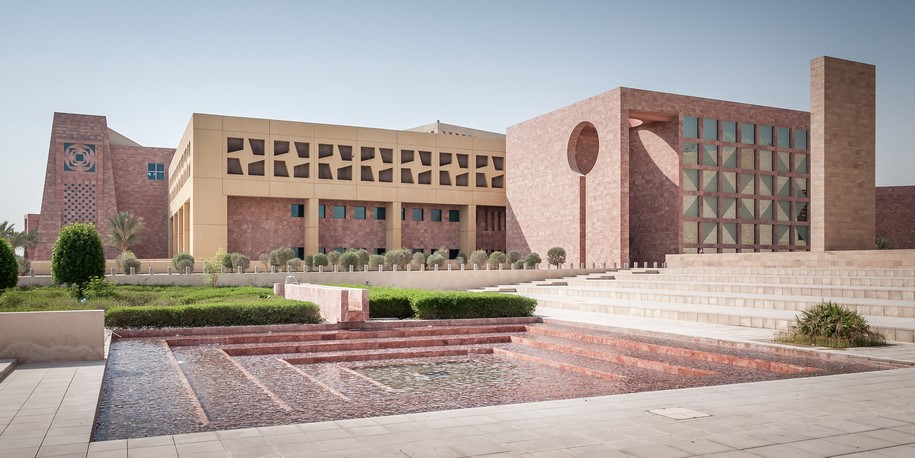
x=842, y=154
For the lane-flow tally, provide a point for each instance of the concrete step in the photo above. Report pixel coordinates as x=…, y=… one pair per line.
x=897, y=282
x=864, y=306
x=892, y=328
x=6, y=367
x=799, y=271
x=867, y=292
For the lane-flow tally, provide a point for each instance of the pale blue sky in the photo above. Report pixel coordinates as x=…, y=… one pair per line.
x=398, y=64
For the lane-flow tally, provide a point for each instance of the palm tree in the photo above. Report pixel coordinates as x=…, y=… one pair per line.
x=7, y=231
x=125, y=229
x=25, y=240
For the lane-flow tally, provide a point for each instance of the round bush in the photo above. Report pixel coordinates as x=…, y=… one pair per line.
x=294, y=265
x=363, y=258
x=478, y=258
x=77, y=255
x=496, y=258
x=333, y=257
x=24, y=265
x=309, y=261
x=418, y=260
x=513, y=256
x=320, y=260
x=183, y=262
x=280, y=256
x=126, y=260
x=532, y=260
x=436, y=260
x=347, y=260
x=241, y=261
x=375, y=260
x=398, y=258
x=9, y=268
x=556, y=256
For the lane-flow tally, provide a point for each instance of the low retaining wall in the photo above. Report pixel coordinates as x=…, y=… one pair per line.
x=443, y=279
x=76, y=335
x=809, y=259
x=336, y=304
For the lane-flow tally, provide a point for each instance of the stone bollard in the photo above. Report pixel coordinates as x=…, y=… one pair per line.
x=222, y=269
x=187, y=270
x=133, y=271
x=169, y=270
x=487, y=266
x=320, y=269
x=112, y=271
x=581, y=266
x=422, y=267
x=462, y=267
x=336, y=268
x=239, y=269
x=150, y=270
x=500, y=266
x=436, y=267
x=664, y=265
x=257, y=269
x=273, y=269
x=31, y=273
x=381, y=268
x=593, y=265
x=410, y=267
x=394, y=267
x=615, y=265
x=365, y=268
x=513, y=266
x=449, y=267
x=351, y=268
x=604, y=265
x=654, y=265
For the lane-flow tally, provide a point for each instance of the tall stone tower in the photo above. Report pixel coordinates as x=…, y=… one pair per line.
x=842, y=154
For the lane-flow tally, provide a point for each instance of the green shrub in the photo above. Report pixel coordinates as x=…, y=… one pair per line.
x=496, y=259
x=198, y=315
x=320, y=260
x=532, y=259
x=99, y=288
x=294, y=265
x=457, y=305
x=9, y=268
x=391, y=303
x=443, y=252
x=264, y=259
x=462, y=257
x=519, y=265
x=309, y=261
x=363, y=258
x=24, y=264
x=347, y=260
x=126, y=260
x=232, y=261
x=556, y=256
x=478, y=258
x=376, y=260
x=399, y=257
x=513, y=256
x=183, y=262
x=882, y=243
x=435, y=259
x=333, y=257
x=418, y=260
x=280, y=256
x=77, y=255
x=830, y=324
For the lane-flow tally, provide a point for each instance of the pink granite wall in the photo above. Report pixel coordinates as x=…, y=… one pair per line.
x=895, y=214
x=490, y=228
x=350, y=232
x=262, y=224
x=654, y=191
x=336, y=304
x=142, y=196
x=427, y=234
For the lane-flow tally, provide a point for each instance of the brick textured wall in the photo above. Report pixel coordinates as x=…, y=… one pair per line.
x=895, y=215
x=654, y=191
x=490, y=229
x=427, y=234
x=144, y=197
x=350, y=232
x=842, y=154
x=262, y=224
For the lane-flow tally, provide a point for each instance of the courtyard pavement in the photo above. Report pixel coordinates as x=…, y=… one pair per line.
x=48, y=411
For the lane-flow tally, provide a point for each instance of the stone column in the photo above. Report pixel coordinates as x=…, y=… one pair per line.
x=312, y=223
x=842, y=154
x=393, y=226
x=468, y=229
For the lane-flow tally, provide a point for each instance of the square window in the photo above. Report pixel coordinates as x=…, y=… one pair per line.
x=417, y=250
x=783, y=211
x=154, y=171
x=379, y=251
x=300, y=252
x=359, y=212
x=298, y=211
x=747, y=133
x=747, y=159
x=690, y=127
x=321, y=211
x=709, y=129
x=380, y=213
x=340, y=249
x=436, y=214
x=339, y=212
x=747, y=234
x=765, y=135
x=417, y=214
x=710, y=207
x=729, y=157
x=747, y=184
x=765, y=160
x=729, y=131
x=709, y=233
x=454, y=216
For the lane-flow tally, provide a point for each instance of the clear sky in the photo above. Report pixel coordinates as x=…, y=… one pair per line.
x=398, y=64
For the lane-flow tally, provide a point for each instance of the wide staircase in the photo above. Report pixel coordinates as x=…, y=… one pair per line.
x=759, y=297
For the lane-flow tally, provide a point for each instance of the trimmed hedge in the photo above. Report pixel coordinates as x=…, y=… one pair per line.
x=198, y=315
x=390, y=303
x=454, y=305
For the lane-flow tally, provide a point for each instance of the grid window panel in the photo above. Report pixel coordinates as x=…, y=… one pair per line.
x=747, y=234
x=765, y=234
x=728, y=182
x=781, y=233
x=709, y=233
x=765, y=185
x=747, y=183
x=766, y=211
x=748, y=158
x=690, y=232
x=691, y=206
x=709, y=181
x=800, y=139
x=800, y=211
x=784, y=137
x=690, y=180
x=729, y=131
x=747, y=209
x=801, y=235
x=691, y=153
x=800, y=163
x=783, y=161
x=690, y=127
x=729, y=157
x=765, y=160
x=709, y=129
x=748, y=133
x=729, y=208
x=765, y=135
x=709, y=207
x=783, y=211
x=709, y=155
x=783, y=186
x=729, y=234
x=359, y=212
x=800, y=187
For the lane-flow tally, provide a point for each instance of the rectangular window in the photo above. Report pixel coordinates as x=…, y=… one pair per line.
x=766, y=186
x=340, y=249
x=339, y=212
x=453, y=253
x=691, y=153
x=690, y=180
x=747, y=209
x=403, y=214
x=747, y=159
x=800, y=139
x=380, y=213
x=300, y=252
x=747, y=184
x=729, y=131
x=155, y=171
x=322, y=250
x=709, y=155
x=298, y=211
x=709, y=233
x=379, y=251
x=800, y=163
x=729, y=233
x=417, y=214
x=417, y=250
x=359, y=212
x=765, y=160
x=747, y=234
x=690, y=232
x=729, y=208
x=709, y=181
x=729, y=157
x=691, y=206
x=747, y=133
x=454, y=216
x=728, y=182
x=800, y=237
x=765, y=135
x=765, y=210
x=709, y=207
x=690, y=127
x=784, y=137
x=321, y=211
x=709, y=129
x=782, y=161
x=436, y=214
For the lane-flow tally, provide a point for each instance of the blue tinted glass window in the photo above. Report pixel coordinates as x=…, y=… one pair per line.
x=380, y=213
x=729, y=131
x=454, y=216
x=298, y=211
x=784, y=137
x=339, y=212
x=709, y=129
x=436, y=215
x=765, y=135
x=748, y=133
x=155, y=171
x=417, y=214
x=359, y=212
x=800, y=139
x=690, y=127
x=321, y=211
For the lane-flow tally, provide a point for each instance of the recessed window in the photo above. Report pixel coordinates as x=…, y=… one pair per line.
x=709, y=155
x=379, y=251
x=417, y=250
x=359, y=212
x=300, y=252
x=691, y=153
x=322, y=250
x=765, y=135
x=339, y=212
x=380, y=213
x=709, y=129
x=784, y=137
x=454, y=216
x=436, y=214
x=298, y=211
x=321, y=211
x=800, y=139
x=417, y=214
x=729, y=131
x=748, y=133
x=690, y=127
x=155, y=171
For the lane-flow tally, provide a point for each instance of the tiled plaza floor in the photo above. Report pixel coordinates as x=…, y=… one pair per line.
x=863, y=414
